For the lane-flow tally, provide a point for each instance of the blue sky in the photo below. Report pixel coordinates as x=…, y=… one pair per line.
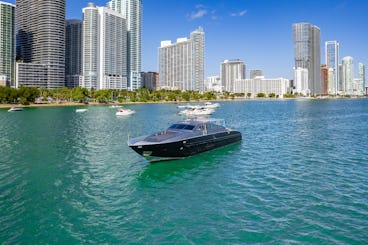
x=256, y=31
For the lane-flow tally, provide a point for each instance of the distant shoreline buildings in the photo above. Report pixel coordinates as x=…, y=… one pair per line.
x=39, y=48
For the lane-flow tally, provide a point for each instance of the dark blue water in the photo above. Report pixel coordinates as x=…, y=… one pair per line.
x=299, y=176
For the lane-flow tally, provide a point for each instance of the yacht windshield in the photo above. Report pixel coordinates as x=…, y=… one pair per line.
x=181, y=126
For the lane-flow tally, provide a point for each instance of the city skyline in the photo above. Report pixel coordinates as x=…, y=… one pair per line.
x=259, y=33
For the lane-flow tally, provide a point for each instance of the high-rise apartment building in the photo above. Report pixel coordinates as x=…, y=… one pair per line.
x=132, y=12
x=255, y=73
x=301, y=81
x=362, y=73
x=40, y=43
x=348, y=75
x=150, y=80
x=7, y=44
x=104, y=49
x=213, y=83
x=307, y=53
x=181, y=65
x=232, y=70
x=277, y=86
x=73, y=52
x=324, y=79
x=332, y=61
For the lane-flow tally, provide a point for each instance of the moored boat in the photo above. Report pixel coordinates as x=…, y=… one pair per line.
x=15, y=109
x=183, y=139
x=81, y=110
x=197, y=112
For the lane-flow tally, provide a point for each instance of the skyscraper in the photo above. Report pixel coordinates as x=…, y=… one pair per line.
x=41, y=43
x=104, y=49
x=132, y=12
x=181, y=65
x=232, y=70
x=362, y=73
x=332, y=61
x=73, y=52
x=307, y=53
x=348, y=74
x=7, y=44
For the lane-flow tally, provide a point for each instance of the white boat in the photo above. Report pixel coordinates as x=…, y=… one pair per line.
x=197, y=112
x=115, y=106
x=81, y=110
x=124, y=112
x=15, y=109
x=211, y=105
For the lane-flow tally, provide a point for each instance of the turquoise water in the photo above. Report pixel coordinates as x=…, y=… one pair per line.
x=299, y=176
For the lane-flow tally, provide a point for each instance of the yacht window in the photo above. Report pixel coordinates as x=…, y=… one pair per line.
x=182, y=126
x=189, y=127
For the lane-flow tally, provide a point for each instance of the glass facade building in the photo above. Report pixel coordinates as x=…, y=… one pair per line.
x=307, y=52
x=7, y=44
x=332, y=61
x=73, y=52
x=41, y=40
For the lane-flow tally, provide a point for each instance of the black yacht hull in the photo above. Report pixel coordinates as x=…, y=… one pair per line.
x=186, y=147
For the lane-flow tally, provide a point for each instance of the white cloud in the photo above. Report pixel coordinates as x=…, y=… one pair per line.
x=239, y=14
x=197, y=14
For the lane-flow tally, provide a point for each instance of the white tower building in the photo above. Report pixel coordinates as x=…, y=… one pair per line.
x=181, y=65
x=232, y=70
x=132, y=12
x=348, y=74
x=104, y=49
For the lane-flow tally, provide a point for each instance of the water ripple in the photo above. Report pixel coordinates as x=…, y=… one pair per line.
x=299, y=176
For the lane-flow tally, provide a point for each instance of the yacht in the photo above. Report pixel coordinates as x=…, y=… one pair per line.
x=211, y=105
x=197, y=111
x=81, y=110
x=184, y=139
x=15, y=109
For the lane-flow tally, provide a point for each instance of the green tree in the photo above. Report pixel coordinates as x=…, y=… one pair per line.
x=261, y=95
x=79, y=94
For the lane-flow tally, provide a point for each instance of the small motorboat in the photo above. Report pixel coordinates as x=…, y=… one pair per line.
x=211, y=105
x=183, y=139
x=124, y=112
x=115, y=106
x=81, y=110
x=197, y=112
x=15, y=109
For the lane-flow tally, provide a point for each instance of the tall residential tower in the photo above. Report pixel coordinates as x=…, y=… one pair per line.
x=232, y=70
x=40, y=43
x=104, y=49
x=7, y=44
x=307, y=54
x=348, y=75
x=332, y=62
x=73, y=52
x=132, y=12
x=181, y=65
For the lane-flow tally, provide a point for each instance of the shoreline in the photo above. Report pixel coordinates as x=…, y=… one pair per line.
x=75, y=104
